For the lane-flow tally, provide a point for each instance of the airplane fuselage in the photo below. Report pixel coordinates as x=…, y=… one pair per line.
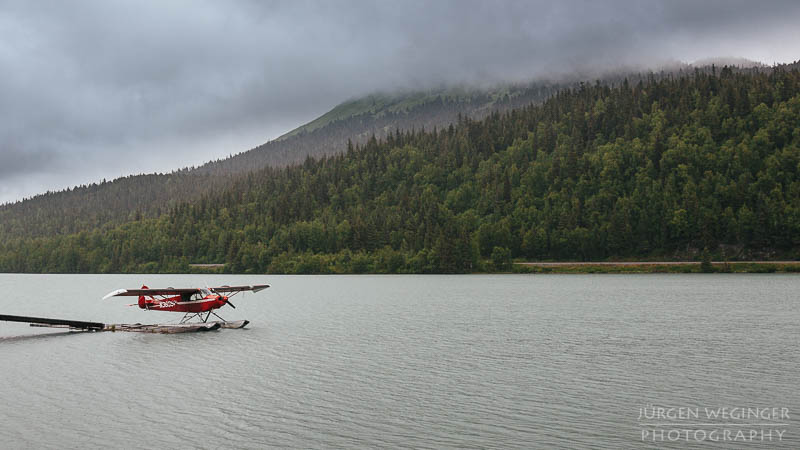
x=182, y=304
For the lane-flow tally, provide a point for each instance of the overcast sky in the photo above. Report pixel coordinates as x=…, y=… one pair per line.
x=99, y=89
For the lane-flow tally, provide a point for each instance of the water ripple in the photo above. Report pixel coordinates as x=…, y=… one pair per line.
x=404, y=361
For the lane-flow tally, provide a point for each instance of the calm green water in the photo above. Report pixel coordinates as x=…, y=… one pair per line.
x=403, y=361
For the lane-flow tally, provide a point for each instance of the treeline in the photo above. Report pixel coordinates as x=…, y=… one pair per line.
x=660, y=168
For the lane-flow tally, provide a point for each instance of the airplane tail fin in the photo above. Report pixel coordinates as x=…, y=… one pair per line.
x=142, y=302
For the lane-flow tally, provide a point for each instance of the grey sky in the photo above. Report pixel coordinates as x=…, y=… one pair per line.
x=100, y=89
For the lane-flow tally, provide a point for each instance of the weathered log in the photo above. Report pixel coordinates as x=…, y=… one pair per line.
x=169, y=328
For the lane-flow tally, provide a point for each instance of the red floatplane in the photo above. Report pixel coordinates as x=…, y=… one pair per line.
x=197, y=304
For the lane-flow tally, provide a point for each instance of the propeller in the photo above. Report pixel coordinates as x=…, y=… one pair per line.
x=228, y=301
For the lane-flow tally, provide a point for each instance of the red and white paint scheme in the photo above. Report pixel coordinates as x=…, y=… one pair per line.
x=195, y=303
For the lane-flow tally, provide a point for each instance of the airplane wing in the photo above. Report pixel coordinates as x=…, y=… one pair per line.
x=254, y=288
x=149, y=292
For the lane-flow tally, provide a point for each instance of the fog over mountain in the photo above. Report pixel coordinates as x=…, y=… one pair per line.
x=99, y=89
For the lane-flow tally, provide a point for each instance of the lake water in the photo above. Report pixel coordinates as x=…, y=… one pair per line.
x=511, y=361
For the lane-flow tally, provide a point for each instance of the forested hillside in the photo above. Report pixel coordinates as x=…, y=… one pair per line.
x=102, y=205
x=106, y=204
x=656, y=168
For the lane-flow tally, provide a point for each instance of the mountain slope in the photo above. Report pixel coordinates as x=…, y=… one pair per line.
x=101, y=205
x=378, y=115
x=658, y=168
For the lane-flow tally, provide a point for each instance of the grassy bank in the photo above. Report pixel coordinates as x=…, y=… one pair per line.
x=645, y=267
x=560, y=267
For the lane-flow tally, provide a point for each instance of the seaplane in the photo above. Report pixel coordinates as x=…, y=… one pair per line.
x=197, y=304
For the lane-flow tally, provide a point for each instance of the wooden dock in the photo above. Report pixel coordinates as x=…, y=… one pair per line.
x=55, y=323
x=168, y=328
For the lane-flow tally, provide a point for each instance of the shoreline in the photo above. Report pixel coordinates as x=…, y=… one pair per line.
x=657, y=267
x=521, y=267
